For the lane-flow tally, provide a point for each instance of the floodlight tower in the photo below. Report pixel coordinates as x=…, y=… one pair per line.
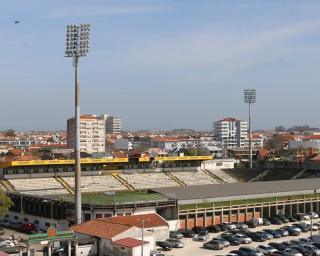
x=250, y=98
x=77, y=45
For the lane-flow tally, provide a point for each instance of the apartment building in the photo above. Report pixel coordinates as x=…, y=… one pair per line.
x=231, y=132
x=112, y=124
x=92, y=133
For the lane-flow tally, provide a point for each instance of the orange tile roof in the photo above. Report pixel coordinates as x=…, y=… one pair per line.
x=129, y=242
x=150, y=220
x=100, y=228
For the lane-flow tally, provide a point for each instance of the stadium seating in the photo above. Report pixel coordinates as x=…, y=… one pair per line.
x=224, y=176
x=280, y=175
x=97, y=183
x=148, y=180
x=244, y=174
x=195, y=178
x=39, y=186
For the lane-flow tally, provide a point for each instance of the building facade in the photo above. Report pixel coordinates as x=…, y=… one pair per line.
x=92, y=134
x=231, y=132
x=112, y=124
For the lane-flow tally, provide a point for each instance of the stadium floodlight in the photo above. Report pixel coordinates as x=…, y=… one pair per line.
x=77, y=45
x=250, y=98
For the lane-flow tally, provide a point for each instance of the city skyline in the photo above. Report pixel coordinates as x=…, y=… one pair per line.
x=163, y=65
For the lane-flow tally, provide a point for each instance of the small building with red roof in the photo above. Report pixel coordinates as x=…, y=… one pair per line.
x=124, y=233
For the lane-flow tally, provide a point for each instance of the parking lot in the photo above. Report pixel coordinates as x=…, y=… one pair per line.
x=194, y=248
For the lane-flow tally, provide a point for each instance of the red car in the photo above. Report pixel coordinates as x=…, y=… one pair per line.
x=28, y=227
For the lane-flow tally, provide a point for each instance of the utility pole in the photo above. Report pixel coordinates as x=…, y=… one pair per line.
x=77, y=45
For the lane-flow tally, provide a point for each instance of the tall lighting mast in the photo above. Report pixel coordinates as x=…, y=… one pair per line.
x=250, y=98
x=77, y=45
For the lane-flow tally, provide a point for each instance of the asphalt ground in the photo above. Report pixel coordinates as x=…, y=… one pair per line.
x=195, y=248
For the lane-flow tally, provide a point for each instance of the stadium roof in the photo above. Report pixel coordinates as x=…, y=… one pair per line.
x=236, y=191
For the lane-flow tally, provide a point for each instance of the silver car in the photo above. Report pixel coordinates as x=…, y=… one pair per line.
x=202, y=236
x=243, y=239
x=176, y=243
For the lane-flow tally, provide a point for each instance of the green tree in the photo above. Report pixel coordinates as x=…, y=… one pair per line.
x=10, y=133
x=5, y=203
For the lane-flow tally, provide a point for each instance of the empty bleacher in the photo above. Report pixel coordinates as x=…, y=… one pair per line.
x=280, y=175
x=97, y=183
x=222, y=175
x=38, y=186
x=244, y=174
x=196, y=178
x=308, y=174
x=149, y=180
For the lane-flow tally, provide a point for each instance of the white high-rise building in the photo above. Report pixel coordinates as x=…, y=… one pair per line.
x=92, y=134
x=232, y=132
x=112, y=124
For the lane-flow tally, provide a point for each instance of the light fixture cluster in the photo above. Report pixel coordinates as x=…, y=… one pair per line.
x=78, y=39
x=250, y=95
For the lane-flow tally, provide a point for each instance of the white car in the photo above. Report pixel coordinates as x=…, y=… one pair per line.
x=266, y=249
x=313, y=215
x=6, y=243
x=243, y=239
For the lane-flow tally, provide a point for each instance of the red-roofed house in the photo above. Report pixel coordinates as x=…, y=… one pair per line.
x=130, y=246
x=108, y=232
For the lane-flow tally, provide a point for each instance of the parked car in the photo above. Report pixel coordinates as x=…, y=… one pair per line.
x=291, y=252
x=175, y=234
x=165, y=246
x=228, y=226
x=213, y=228
x=231, y=239
x=198, y=229
x=315, y=238
x=274, y=233
x=28, y=228
x=225, y=242
x=276, y=221
x=243, y=239
x=301, y=216
x=267, y=235
x=282, y=217
x=266, y=222
x=253, y=223
x=250, y=251
x=311, y=249
x=202, y=236
x=313, y=215
x=283, y=232
x=256, y=237
x=266, y=249
x=241, y=225
x=156, y=253
x=293, y=231
x=187, y=233
x=291, y=218
x=316, y=244
x=303, y=227
x=214, y=245
x=302, y=250
x=288, y=244
x=176, y=243
x=278, y=246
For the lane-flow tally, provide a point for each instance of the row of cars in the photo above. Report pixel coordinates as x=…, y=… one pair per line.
x=295, y=247
x=28, y=228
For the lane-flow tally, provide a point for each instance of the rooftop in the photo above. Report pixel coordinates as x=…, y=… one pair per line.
x=219, y=192
x=129, y=242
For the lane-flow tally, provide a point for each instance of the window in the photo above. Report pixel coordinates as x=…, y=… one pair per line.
x=99, y=215
x=47, y=224
x=26, y=220
x=16, y=217
x=36, y=222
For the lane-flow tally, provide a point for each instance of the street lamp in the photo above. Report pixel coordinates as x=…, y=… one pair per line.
x=77, y=45
x=250, y=98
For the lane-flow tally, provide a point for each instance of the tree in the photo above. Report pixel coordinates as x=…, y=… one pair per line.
x=5, y=203
x=280, y=128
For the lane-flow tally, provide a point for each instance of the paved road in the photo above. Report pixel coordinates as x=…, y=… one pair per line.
x=194, y=248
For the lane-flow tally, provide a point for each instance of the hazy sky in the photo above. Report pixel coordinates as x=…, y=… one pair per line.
x=161, y=64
